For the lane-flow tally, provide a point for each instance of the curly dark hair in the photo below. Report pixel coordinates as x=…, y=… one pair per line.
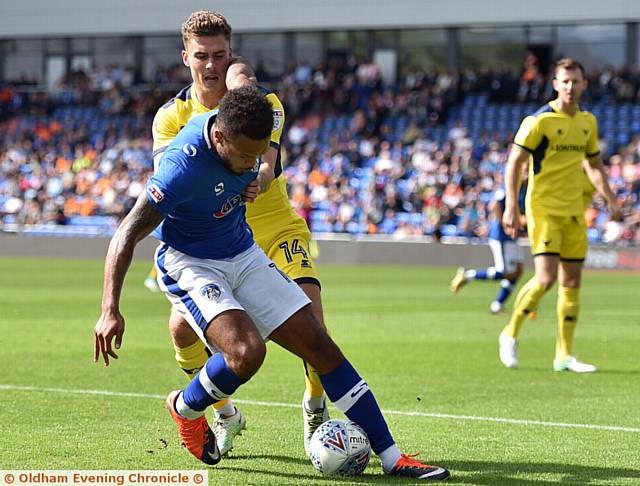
x=205, y=23
x=245, y=111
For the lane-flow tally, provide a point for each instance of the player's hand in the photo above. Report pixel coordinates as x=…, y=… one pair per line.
x=109, y=325
x=265, y=177
x=511, y=222
x=251, y=192
x=239, y=74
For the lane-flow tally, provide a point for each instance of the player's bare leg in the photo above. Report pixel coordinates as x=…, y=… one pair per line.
x=242, y=351
x=304, y=336
x=191, y=355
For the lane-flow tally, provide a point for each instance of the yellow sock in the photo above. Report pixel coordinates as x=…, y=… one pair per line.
x=312, y=381
x=219, y=405
x=314, y=249
x=526, y=302
x=192, y=358
x=567, y=311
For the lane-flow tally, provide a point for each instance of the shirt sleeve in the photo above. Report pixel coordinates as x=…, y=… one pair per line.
x=593, y=148
x=278, y=118
x=164, y=130
x=169, y=186
x=529, y=134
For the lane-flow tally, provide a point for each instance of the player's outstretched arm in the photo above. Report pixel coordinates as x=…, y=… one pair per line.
x=594, y=168
x=239, y=74
x=511, y=215
x=140, y=221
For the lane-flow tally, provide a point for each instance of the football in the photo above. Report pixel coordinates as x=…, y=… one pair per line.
x=340, y=447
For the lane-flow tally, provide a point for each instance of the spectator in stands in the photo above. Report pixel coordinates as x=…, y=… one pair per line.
x=358, y=142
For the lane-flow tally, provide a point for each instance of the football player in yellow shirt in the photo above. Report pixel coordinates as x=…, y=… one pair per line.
x=555, y=141
x=278, y=229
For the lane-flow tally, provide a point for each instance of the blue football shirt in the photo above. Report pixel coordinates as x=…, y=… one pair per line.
x=200, y=197
x=496, y=231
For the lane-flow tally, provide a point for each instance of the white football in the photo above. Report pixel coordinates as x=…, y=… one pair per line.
x=340, y=447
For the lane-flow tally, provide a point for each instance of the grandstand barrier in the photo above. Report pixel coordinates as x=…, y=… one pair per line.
x=338, y=249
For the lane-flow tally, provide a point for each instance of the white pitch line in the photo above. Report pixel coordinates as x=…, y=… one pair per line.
x=291, y=405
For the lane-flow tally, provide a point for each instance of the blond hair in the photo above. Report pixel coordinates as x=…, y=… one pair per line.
x=205, y=23
x=568, y=64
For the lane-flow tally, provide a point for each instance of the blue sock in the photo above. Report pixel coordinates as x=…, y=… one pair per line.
x=351, y=395
x=488, y=274
x=213, y=383
x=506, y=287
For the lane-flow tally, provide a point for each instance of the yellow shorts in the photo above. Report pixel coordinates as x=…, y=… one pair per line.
x=558, y=235
x=287, y=244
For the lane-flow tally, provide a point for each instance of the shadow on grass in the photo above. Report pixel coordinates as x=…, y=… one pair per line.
x=234, y=457
x=532, y=369
x=548, y=370
x=462, y=472
x=293, y=478
x=495, y=473
x=604, y=371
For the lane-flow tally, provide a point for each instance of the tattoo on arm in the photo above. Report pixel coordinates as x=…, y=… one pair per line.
x=140, y=221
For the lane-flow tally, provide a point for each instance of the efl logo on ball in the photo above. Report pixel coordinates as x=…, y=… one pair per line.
x=340, y=447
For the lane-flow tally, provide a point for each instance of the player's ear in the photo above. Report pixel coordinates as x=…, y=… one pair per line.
x=218, y=137
x=185, y=57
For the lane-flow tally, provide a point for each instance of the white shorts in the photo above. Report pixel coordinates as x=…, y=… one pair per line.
x=200, y=289
x=506, y=255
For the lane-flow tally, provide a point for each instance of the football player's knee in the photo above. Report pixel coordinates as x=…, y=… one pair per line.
x=546, y=284
x=246, y=358
x=547, y=280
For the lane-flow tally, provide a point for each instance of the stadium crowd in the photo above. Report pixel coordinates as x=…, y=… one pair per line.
x=361, y=156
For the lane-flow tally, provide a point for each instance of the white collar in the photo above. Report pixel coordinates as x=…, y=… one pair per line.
x=206, y=128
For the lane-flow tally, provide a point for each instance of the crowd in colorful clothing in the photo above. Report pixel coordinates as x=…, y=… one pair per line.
x=361, y=157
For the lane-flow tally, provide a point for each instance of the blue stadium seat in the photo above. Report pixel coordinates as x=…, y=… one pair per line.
x=593, y=235
x=448, y=230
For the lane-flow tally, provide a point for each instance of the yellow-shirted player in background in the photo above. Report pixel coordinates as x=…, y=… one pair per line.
x=278, y=229
x=555, y=140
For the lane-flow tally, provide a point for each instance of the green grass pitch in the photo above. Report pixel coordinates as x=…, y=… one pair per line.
x=429, y=356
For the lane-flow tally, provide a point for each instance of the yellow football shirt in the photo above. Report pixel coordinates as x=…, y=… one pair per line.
x=175, y=114
x=558, y=143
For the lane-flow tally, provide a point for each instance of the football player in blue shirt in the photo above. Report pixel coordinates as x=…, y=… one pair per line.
x=507, y=259
x=232, y=295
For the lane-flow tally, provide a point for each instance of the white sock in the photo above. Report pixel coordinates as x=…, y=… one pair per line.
x=225, y=412
x=312, y=403
x=470, y=274
x=184, y=409
x=389, y=457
